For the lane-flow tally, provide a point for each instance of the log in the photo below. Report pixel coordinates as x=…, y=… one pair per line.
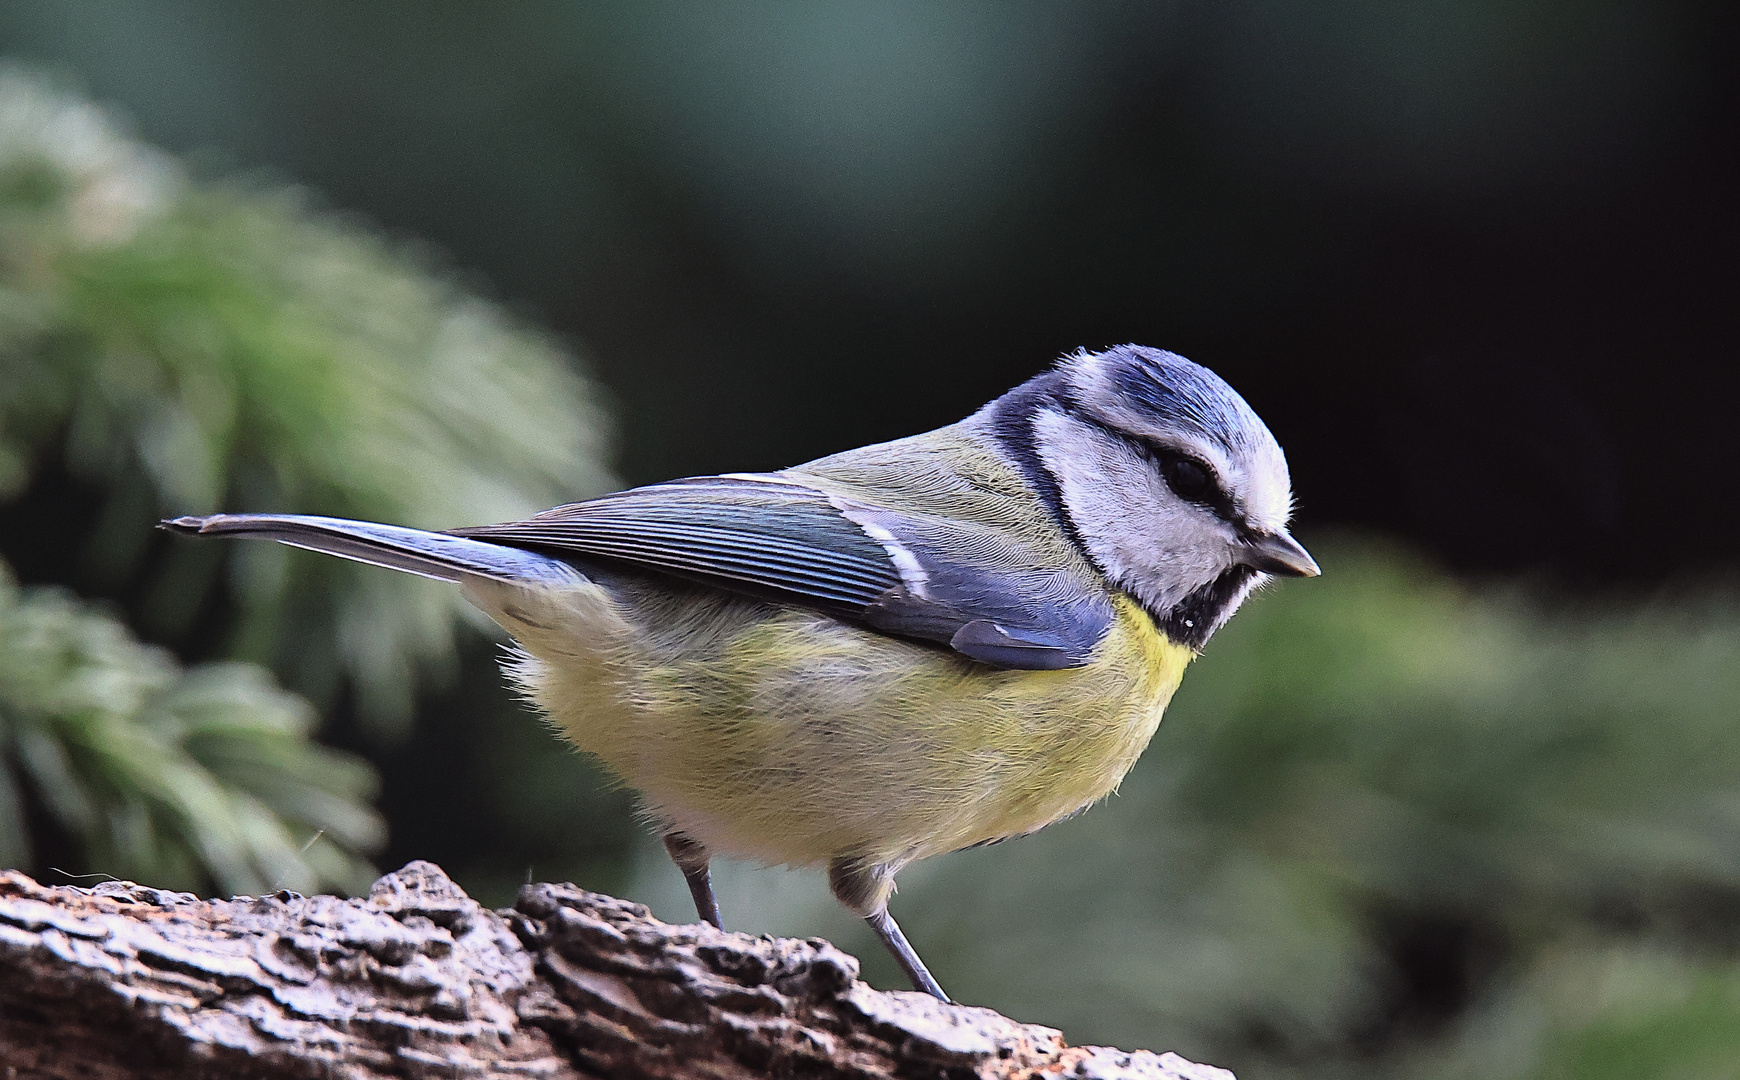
x=415, y=980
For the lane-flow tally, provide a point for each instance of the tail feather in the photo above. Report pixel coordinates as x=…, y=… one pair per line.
x=429, y=554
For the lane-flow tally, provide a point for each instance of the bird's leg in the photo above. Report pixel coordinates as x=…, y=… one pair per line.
x=691, y=859
x=889, y=931
x=865, y=889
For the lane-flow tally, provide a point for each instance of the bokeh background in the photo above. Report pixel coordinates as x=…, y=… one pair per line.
x=1469, y=805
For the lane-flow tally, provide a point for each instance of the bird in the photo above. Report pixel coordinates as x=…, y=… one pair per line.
x=889, y=653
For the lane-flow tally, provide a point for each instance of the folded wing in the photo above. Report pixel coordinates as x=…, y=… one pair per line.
x=913, y=575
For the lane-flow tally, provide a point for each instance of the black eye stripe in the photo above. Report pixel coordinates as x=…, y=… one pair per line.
x=1190, y=478
x=1215, y=498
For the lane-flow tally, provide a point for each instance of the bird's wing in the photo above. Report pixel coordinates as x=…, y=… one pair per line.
x=972, y=587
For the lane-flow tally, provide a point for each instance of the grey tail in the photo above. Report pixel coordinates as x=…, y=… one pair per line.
x=429, y=554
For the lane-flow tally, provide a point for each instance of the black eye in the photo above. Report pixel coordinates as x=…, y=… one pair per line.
x=1189, y=480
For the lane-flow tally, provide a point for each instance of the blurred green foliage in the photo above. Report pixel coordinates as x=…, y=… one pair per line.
x=186, y=779
x=180, y=346
x=193, y=347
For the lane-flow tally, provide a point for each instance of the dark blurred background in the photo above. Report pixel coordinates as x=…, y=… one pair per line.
x=1475, y=264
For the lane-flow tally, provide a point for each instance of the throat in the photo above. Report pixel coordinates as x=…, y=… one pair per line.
x=1193, y=620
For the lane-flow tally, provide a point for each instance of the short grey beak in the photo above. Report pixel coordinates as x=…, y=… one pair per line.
x=1278, y=553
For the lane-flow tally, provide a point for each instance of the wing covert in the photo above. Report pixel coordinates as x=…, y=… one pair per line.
x=909, y=575
x=727, y=532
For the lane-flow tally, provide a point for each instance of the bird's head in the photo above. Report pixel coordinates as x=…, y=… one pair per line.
x=1164, y=477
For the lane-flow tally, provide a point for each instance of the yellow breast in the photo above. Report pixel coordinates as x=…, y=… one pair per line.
x=782, y=735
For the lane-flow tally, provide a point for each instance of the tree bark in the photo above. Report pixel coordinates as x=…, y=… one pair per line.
x=124, y=982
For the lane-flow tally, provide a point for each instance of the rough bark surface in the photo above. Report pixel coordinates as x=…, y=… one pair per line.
x=418, y=980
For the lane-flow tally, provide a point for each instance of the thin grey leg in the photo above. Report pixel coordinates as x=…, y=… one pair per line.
x=865, y=887
x=889, y=931
x=691, y=859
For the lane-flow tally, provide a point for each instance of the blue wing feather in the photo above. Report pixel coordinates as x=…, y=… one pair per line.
x=764, y=536
x=927, y=577
x=970, y=587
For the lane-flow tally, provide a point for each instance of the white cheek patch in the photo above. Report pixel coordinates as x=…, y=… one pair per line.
x=1144, y=537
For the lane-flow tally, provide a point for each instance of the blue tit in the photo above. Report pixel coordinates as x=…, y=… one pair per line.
x=893, y=652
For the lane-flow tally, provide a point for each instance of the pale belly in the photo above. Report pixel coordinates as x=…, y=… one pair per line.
x=786, y=736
